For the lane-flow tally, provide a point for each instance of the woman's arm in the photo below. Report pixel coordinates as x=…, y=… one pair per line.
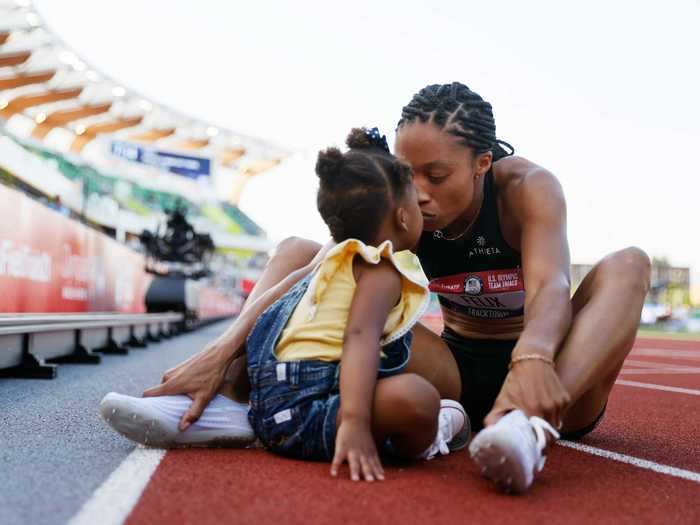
x=378, y=290
x=201, y=376
x=533, y=384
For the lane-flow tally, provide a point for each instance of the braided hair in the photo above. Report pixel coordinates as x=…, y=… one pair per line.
x=459, y=111
x=358, y=188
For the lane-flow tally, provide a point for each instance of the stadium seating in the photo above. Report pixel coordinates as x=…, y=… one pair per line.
x=111, y=161
x=66, y=117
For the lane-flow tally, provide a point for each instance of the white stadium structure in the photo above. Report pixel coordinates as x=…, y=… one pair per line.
x=70, y=134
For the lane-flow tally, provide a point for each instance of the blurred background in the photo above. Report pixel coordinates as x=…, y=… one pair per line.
x=148, y=146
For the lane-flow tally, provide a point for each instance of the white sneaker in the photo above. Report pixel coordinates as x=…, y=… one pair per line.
x=454, y=430
x=511, y=451
x=153, y=421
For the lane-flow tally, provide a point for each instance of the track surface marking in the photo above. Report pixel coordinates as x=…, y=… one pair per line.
x=653, y=386
x=255, y=487
x=112, y=502
x=630, y=460
x=641, y=465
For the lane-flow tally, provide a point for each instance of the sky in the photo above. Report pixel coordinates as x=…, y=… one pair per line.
x=605, y=95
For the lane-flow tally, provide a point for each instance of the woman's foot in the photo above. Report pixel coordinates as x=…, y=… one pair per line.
x=153, y=421
x=511, y=451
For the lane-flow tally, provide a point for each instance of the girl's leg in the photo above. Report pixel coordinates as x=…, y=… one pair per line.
x=406, y=408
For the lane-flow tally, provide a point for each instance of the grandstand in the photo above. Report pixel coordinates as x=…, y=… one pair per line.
x=129, y=158
x=100, y=154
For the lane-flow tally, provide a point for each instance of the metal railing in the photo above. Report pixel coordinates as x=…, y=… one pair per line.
x=32, y=345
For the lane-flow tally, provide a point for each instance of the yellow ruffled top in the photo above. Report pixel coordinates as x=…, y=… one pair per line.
x=316, y=328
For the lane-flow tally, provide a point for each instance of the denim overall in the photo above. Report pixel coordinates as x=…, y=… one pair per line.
x=294, y=404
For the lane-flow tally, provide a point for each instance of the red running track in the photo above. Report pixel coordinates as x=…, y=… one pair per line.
x=256, y=487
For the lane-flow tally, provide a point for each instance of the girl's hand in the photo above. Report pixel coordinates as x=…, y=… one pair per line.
x=354, y=443
x=199, y=377
x=534, y=387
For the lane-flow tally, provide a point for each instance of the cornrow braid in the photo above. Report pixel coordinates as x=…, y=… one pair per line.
x=459, y=111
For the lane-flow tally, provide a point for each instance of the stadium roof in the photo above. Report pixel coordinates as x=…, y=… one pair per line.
x=51, y=95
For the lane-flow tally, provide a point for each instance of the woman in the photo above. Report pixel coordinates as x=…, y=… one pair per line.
x=495, y=248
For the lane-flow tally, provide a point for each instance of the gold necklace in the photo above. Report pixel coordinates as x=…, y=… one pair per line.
x=439, y=235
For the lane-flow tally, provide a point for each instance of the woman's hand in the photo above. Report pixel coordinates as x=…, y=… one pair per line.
x=354, y=443
x=534, y=387
x=200, y=377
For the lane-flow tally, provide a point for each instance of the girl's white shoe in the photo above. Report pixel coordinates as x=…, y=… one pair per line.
x=454, y=430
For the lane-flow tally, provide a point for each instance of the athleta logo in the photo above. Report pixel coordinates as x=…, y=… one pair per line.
x=481, y=248
x=484, y=251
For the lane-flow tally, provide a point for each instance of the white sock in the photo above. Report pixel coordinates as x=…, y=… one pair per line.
x=220, y=414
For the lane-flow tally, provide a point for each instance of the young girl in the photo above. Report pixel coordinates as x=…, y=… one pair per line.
x=325, y=361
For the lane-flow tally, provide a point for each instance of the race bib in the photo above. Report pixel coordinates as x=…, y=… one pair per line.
x=492, y=294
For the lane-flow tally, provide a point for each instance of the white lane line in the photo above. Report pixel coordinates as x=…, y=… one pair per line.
x=660, y=371
x=657, y=352
x=652, y=386
x=643, y=364
x=656, y=364
x=114, y=500
x=631, y=460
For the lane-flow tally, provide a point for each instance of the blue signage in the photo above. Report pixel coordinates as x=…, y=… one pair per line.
x=185, y=165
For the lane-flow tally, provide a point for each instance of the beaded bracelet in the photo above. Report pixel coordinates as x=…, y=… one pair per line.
x=528, y=357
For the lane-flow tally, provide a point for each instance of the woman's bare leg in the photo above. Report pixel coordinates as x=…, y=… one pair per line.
x=289, y=255
x=433, y=360
x=606, y=308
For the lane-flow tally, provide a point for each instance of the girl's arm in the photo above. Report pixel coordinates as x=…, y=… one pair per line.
x=377, y=292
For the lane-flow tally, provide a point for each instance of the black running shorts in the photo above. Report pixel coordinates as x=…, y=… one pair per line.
x=483, y=366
